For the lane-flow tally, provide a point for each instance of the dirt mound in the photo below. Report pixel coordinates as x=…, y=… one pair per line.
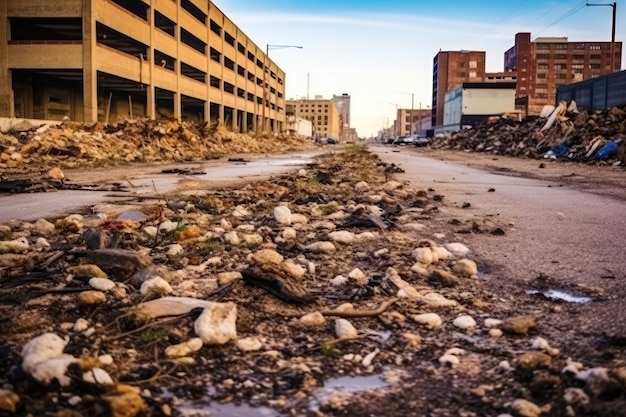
x=576, y=136
x=72, y=144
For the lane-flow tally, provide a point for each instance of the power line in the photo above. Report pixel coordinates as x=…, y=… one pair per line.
x=519, y=6
x=571, y=12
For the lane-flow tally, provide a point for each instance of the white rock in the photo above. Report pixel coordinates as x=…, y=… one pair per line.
x=19, y=245
x=232, y=238
x=302, y=172
x=252, y=239
x=415, y=227
x=367, y=360
x=42, y=245
x=361, y=186
x=345, y=329
x=420, y=269
x=298, y=218
x=491, y=323
x=466, y=267
x=44, y=227
x=431, y=320
x=525, y=408
x=175, y=249
x=540, y=343
x=315, y=319
x=391, y=185
x=74, y=400
x=101, y=284
x=293, y=269
x=381, y=252
x=342, y=236
x=105, y=360
x=449, y=360
x=268, y=256
x=282, y=214
x=289, y=234
x=240, y=212
x=464, y=322
x=455, y=351
x=457, y=249
x=365, y=236
x=495, y=333
x=184, y=349
x=226, y=225
x=53, y=369
x=225, y=278
x=151, y=231
x=321, y=247
x=339, y=280
x=434, y=299
x=504, y=365
x=98, y=376
x=423, y=255
x=168, y=226
x=439, y=235
x=155, y=287
x=358, y=276
x=442, y=253
x=249, y=344
x=81, y=325
x=217, y=324
x=41, y=348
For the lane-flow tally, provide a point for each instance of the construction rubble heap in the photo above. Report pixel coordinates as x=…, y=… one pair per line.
x=560, y=132
x=25, y=148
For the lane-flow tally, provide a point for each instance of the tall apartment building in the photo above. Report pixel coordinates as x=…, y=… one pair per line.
x=322, y=113
x=102, y=60
x=342, y=103
x=545, y=64
x=451, y=68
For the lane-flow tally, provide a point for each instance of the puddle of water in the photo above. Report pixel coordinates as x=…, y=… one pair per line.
x=561, y=295
x=354, y=383
x=224, y=410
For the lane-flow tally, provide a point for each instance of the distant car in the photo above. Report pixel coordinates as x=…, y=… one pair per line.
x=421, y=141
x=331, y=141
x=390, y=141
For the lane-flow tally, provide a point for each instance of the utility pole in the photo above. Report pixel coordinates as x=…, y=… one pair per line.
x=266, y=77
x=614, y=6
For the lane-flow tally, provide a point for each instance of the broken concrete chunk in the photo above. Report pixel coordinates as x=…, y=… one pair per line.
x=216, y=325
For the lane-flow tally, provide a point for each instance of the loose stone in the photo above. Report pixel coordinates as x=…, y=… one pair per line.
x=345, y=329
x=430, y=320
x=216, y=325
x=91, y=298
x=464, y=322
x=524, y=408
x=184, y=349
x=315, y=319
x=101, y=284
x=249, y=344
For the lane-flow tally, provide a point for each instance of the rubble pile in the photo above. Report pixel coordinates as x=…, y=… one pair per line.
x=263, y=295
x=563, y=133
x=73, y=144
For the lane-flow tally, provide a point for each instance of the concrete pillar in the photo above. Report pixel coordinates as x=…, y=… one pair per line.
x=221, y=114
x=207, y=111
x=90, y=73
x=177, y=95
x=233, y=119
x=149, y=83
x=244, y=122
x=6, y=90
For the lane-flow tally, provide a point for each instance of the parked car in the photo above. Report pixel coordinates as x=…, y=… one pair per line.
x=331, y=141
x=421, y=141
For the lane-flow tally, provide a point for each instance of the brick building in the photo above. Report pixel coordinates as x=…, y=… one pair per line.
x=545, y=64
x=451, y=68
x=104, y=60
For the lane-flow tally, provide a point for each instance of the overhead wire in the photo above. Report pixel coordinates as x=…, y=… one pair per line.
x=571, y=12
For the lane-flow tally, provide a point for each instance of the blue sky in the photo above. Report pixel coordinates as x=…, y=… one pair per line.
x=382, y=52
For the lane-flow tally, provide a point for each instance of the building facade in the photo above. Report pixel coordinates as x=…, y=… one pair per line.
x=104, y=60
x=410, y=121
x=545, y=64
x=322, y=113
x=342, y=103
x=451, y=68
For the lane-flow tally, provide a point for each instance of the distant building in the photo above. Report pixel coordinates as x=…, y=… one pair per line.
x=408, y=121
x=545, y=64
x=507, y=76
x=322, y=113
x=451, y=68
x=105, y=60
x=470, y=104
x=596, y=94
x=342, y=103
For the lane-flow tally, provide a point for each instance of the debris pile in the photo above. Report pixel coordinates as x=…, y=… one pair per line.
x=561, y=132
x=75, y=144
x=264, y=294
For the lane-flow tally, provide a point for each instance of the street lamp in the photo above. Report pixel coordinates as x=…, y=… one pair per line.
x=614, y=6
x=266, y=95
